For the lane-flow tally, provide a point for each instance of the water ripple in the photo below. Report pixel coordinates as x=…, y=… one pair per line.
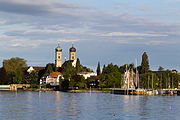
x=85, y=106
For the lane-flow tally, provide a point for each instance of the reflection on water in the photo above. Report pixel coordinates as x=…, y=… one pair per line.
x=26, y=105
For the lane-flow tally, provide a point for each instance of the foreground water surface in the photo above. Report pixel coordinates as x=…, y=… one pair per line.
x=27, y=105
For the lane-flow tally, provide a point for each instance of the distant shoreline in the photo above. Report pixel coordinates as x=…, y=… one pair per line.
x=88, y=91
x=69, y=91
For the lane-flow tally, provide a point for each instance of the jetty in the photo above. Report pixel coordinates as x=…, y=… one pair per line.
x=145, y=91
x=14, y=87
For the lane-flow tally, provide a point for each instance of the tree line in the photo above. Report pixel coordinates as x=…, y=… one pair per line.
x=14, y=71
x=112, y=75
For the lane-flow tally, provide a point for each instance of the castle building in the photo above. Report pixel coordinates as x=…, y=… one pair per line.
x=58, y=60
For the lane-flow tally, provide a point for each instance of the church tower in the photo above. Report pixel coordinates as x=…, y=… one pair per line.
x=58, y=60
x=72, y=53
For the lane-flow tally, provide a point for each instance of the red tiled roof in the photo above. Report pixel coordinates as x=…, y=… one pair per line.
x=55, y=74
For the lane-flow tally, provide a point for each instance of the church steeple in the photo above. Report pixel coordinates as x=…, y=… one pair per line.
x=58, y=52
x=72, y=53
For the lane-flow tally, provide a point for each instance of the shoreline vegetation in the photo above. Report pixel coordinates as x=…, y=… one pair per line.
x=14, y=71
x=93, y=90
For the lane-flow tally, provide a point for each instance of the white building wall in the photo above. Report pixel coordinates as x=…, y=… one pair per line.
x=87, y=74
x=30, y=69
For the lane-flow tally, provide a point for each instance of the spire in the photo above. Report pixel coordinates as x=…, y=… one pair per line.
x=58, y=48
x=58, y=43
x=72, y=49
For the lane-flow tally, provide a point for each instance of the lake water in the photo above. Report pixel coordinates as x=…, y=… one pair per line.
x=54, y=105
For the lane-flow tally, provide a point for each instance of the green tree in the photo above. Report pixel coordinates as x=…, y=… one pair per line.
x=3, y=77
x=160, y=68
x=54, y=67
x=14, y=68
x=139, y=69
x=69, y=71
x=122, y=69
x=111, y=76
x=110, y=68
x=18, y=76
x=33, y=78
x=149, y=80
x=144, y=63
x=78, y=66
x=161, y=80
x=72, y=83
x=111, y=80
x=93, y=80
x=49, y=68
x=131, y=66
x=65, y=84
x=175, y=80
x=82, y=83
x=98, y=69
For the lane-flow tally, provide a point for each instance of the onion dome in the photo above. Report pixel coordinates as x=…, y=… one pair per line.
x=58, y=48
x=72, y=49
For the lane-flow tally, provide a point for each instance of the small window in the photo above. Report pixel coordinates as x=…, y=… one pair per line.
x=59, y=57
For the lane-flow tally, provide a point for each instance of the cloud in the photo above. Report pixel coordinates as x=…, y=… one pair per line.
x=2, y=22
x=123, y=34
x=49, y=3
x=46, y=22
x=173, y=0
x=41, y=7
x=32, y=29
x=2, y=37
x=23, y=45
x=156, y=42
x=172, y=9
x=140, y=8
x=65, y=40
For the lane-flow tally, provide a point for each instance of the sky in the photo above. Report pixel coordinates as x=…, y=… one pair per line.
x=109, y=31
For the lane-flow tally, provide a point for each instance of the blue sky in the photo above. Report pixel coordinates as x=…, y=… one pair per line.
x=116, y=31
